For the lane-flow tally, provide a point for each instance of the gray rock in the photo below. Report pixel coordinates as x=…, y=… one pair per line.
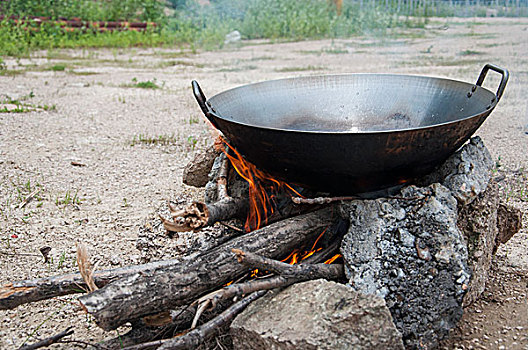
x=478, y=222
x=416, y=261
x=316, y=315
x=466, y=173
x=509, y=222
x=486, y=223
x=116, y=260
x=196, y=172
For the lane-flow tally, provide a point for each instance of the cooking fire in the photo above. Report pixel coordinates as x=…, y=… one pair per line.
x=378, y=239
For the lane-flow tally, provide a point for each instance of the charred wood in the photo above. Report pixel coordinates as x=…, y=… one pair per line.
x=145, y=330
x=150, y=292
x=288, y=275
x=301, y=271
x=194, y=338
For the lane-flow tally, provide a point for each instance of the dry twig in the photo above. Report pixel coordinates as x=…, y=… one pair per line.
x=48, y=341
x=289, y=274
x=85, y=268
x=29, y=198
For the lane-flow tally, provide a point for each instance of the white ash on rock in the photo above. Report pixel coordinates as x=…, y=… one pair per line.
x=410, y=252
x=428, y=251
x=316, y=315
x=466, y=173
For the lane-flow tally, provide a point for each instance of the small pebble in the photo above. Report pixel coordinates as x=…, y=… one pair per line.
x=115, y=260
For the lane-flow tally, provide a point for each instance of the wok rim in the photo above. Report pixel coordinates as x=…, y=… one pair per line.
x=492, y=105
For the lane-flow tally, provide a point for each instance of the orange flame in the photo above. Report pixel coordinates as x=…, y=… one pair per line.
x=261, y=204
x=263, y=189
x=334, y=258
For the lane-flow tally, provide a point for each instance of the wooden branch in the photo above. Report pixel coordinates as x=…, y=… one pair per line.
x=221, y=181
x=310, y=271
x=194, y=338
x=150, y=292
x=324, y=254
x=29, y=198
x=144, y=331
x=28, y=291
x=321, y=200
x=295, y=274
x=85, y=268
x=198, y=215
x=197, y=171
x=48, y=341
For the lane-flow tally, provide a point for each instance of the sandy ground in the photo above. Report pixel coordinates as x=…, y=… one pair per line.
x=100, y=167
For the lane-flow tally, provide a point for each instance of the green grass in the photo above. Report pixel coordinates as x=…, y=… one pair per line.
x=238, y=68
x=58, y=68
x=81, y=73
x=148, y=84
x=332, y=51
x=172, y=63
x=68, y=198
x=470, y=53
x=22, y=105
x=190, y=26
x=163, y=140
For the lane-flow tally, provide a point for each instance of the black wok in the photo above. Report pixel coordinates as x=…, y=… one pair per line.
x=351, y=133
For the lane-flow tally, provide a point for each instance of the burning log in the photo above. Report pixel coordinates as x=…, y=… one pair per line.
x=302, y=271
x=198, y=215
x=181, y=284
x=292, y=274
x=287, y=275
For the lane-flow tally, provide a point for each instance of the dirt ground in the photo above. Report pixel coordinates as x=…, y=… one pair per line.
x=103, y=154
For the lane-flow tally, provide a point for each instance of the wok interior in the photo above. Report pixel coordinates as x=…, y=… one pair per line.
x=351, y=103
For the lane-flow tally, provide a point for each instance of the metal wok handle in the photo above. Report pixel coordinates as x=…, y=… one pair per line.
x=202, y=102
x=505, y=75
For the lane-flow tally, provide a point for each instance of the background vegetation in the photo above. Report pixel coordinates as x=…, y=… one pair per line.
x=184, y=22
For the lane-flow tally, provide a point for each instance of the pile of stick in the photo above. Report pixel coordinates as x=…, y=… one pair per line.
x=170, y=297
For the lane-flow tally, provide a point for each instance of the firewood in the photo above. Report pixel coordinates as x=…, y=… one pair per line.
x=221, y=181
x=194, y=338
x=143, y=331
x=301, y=271
x=292, y=274
x=150, y=292
x=198, y=215
x=28, y=291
